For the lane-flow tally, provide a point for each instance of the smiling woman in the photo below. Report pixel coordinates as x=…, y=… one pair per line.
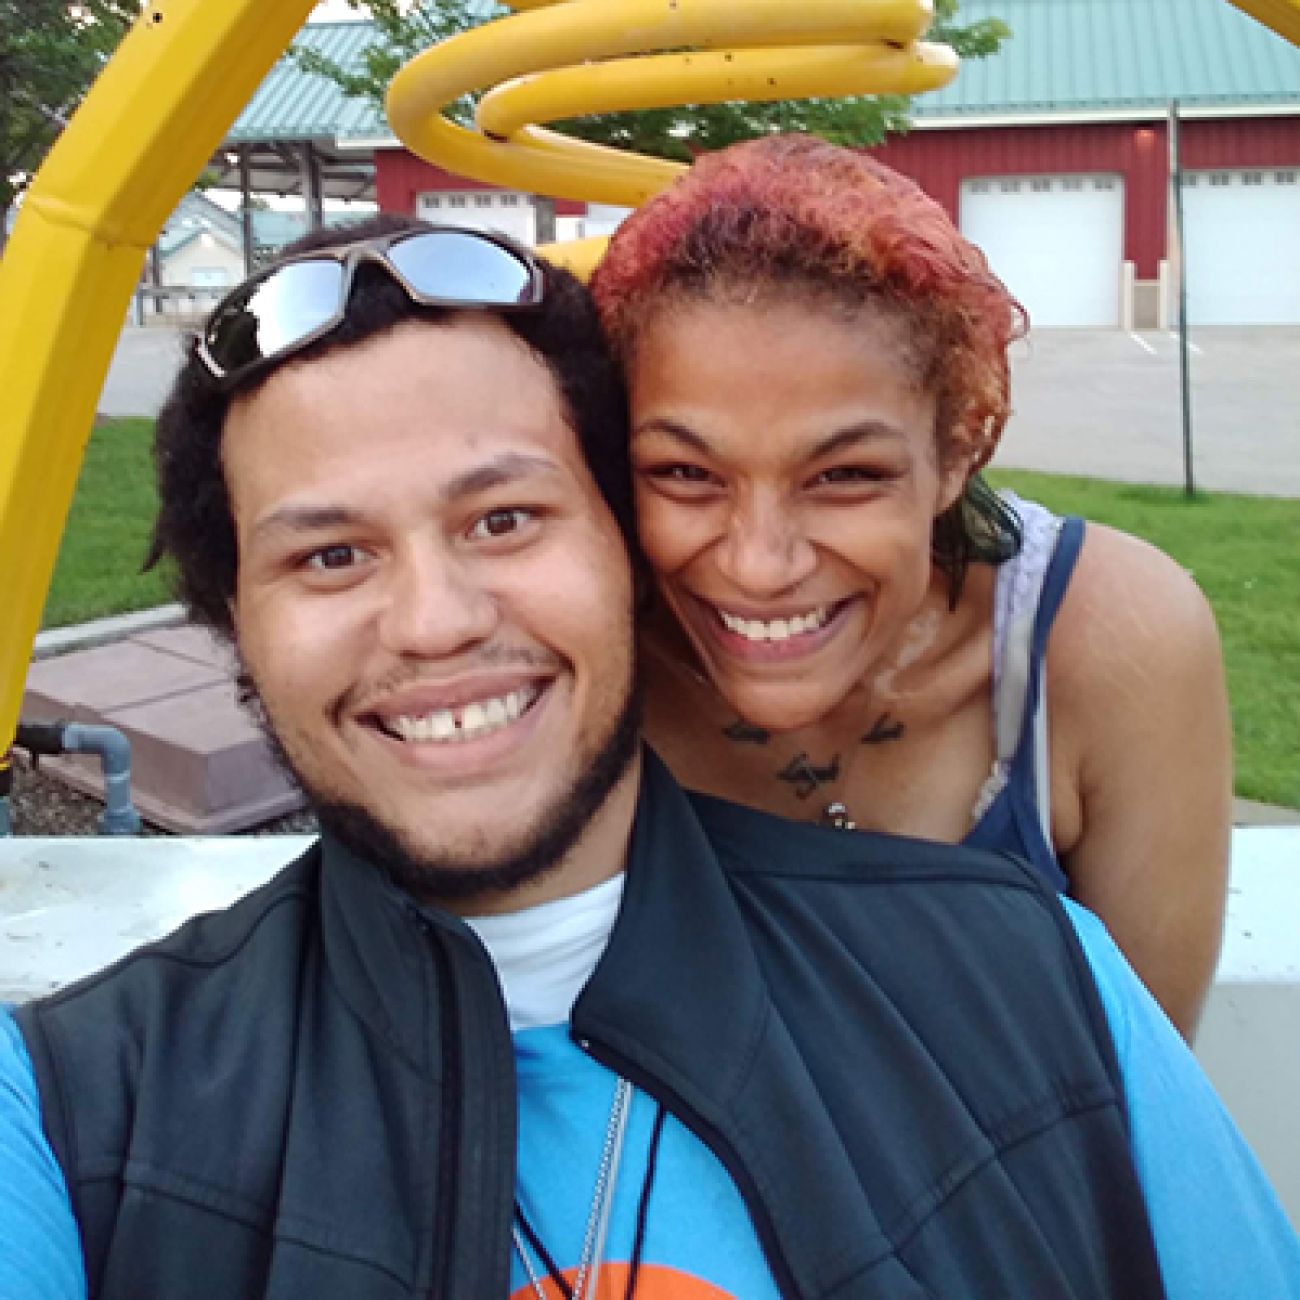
x=851, y=627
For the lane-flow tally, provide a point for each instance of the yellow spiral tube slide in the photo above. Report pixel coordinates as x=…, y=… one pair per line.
x=774, y=49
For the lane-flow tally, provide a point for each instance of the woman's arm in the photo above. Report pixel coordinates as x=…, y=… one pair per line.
x=1142, y=763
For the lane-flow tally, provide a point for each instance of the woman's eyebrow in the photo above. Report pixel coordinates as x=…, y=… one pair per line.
x=853, y=436
x=862, y=431
x=661, y=424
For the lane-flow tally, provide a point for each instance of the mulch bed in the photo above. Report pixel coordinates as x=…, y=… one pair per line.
x=42, y=805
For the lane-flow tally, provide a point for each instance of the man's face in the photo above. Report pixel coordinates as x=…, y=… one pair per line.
x=434, y=604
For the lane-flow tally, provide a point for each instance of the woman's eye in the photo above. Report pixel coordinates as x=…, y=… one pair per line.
x=853, y=474
x=499, y=523
x=681, y=473
x=339, y=556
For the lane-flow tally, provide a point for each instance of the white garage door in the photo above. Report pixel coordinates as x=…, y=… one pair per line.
x=1242, y=242
x=499, y=210
x=1055, y=241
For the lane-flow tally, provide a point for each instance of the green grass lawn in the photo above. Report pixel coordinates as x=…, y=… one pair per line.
x=1244, y=551
x=107, y=534
x=1245, y=554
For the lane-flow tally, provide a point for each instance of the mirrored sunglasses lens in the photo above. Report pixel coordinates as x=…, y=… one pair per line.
x=461, y=267
x=281, y=311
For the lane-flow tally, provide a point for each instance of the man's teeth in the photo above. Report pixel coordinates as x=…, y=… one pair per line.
x=468, y=722
x=778, y=629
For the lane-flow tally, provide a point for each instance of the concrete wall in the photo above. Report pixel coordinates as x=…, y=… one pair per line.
x=1249, y=1041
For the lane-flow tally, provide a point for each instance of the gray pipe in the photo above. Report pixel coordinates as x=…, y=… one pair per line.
x=114, y=750
x=6, y=787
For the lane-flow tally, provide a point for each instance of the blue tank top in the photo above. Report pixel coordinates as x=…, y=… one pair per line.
x=1013, y=814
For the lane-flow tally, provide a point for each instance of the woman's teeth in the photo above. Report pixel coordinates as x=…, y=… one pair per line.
x=469, y=722
x=777, y=629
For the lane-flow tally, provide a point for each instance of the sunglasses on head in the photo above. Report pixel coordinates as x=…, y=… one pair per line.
x=284, y=308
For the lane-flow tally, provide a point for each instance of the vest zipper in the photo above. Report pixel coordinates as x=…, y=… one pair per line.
x=782, y=1274
x=444, y=1226
x=459, y=1270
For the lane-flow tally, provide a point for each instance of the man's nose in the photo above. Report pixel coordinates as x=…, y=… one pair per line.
x=435, y=604
x=766, y=551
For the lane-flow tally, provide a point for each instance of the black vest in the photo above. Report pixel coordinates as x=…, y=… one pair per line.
x=895, y=1048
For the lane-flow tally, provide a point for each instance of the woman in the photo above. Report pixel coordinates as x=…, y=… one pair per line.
x=851, y=626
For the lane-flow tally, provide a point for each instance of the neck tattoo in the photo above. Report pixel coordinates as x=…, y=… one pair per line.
x=808, y=777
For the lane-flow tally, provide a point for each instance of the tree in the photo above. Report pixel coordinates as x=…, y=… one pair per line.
x=50, y=52
x=402, y=31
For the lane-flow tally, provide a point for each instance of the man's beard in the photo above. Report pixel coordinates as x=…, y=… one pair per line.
x=429, y=877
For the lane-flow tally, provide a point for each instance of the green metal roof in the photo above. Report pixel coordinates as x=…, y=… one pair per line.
x=295, y=105
x=1094, y=56
x=1078, y=57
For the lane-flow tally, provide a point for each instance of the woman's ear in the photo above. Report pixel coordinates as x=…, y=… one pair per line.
x=957, y=468
x=966, y=454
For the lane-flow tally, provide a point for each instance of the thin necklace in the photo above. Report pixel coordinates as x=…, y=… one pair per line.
x=836, y=816
x=602, y=1199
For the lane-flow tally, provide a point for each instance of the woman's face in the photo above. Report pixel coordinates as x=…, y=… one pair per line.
x=786, y=482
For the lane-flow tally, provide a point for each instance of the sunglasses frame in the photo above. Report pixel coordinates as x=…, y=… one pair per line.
x=351, y=256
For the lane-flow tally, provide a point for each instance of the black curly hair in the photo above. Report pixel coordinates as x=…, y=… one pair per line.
x=194, y=524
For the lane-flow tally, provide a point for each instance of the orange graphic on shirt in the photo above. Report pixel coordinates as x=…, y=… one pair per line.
x=653, y=1282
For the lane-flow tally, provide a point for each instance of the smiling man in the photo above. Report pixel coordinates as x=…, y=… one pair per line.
x=439, y=627
x=528, y=1020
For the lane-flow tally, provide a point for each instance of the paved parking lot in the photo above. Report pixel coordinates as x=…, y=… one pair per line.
x=1102, y=403
x=142, y=371
x=1107, y=404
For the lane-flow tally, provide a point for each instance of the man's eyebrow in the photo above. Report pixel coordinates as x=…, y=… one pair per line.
x=498, y=472
x=306, y=519
x=851, y=436
x=502, y=470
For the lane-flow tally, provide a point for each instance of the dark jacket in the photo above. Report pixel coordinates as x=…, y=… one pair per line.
x=895, y=1048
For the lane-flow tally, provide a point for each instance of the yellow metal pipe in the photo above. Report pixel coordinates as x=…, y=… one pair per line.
x=711, y=77
x=577, y=255
x=1283, y=16
x=580, y=31
x=145, y=131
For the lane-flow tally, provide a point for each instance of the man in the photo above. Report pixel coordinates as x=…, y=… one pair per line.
x=749, y=1058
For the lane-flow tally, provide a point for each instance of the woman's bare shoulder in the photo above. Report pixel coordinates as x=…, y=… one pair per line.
x=1132, y=616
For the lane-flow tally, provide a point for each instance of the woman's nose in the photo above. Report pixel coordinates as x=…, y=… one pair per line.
x=765, y=551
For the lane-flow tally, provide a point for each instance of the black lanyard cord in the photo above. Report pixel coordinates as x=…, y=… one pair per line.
x=529, y=1233
x=643, y=1206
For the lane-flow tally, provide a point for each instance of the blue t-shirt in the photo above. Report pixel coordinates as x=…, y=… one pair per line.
x=1219, y=1231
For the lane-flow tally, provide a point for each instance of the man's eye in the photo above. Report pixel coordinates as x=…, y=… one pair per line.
x=499, y=523
x=339, y=556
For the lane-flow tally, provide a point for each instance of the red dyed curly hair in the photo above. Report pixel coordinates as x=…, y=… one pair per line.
x=792, y=212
